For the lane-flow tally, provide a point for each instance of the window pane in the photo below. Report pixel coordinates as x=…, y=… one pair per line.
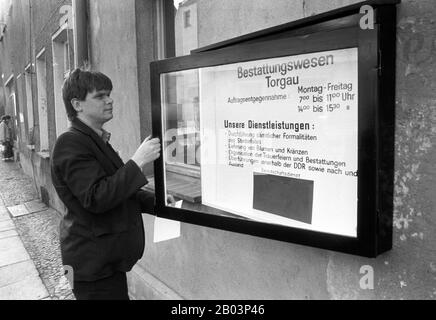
x=41, y=76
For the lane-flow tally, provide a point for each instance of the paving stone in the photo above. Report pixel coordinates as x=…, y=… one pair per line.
x=3, y=211
x=35, y=206
x=15, y=187
x=7, y=225
x=8, y=234
x=18, y=211
x=5, y=218
x=17, y=272
x=30, y=288
x=12, y=251
x=38, y=233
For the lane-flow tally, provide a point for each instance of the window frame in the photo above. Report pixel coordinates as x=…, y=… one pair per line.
x=28, y=72
x=187, y=18
x=58, y=46
x=41, y=79
x=11, y=95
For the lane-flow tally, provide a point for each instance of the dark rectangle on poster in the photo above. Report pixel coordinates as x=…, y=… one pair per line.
x=288, y=197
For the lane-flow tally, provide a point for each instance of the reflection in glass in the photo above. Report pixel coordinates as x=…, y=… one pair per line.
x=272, y=140
x=181, y=139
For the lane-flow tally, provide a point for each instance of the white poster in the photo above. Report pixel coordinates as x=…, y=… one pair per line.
x=279, y=140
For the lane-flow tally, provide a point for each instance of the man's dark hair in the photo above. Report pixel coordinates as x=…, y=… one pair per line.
x=79, y=83
x=6, y=117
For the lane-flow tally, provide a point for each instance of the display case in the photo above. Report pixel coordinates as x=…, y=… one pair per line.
x=286, y=133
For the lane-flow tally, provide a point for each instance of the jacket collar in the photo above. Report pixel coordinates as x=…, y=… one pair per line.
x=104, y=147
x=82, y=126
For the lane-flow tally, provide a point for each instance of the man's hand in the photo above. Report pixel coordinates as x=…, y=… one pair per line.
x=170, y=200
x=148, y=151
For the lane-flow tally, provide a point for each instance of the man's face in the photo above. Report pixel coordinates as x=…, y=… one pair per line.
x=97, y=106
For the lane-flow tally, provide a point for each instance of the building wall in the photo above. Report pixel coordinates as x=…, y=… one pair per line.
x=15, y=53
x=2, y=100
x=46, y=22
x=30, y=26
x=113, y=52
x=205, y=263
x=146, y=52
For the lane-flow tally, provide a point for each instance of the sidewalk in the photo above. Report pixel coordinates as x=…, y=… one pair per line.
x=30, y=263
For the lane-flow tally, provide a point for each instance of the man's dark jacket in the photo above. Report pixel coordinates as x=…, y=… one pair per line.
x=102, y=231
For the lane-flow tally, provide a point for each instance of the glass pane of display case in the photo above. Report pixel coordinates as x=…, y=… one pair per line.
x=271, y=140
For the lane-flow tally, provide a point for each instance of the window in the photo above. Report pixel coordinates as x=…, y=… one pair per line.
x=66, y=58
x=62, y=46
x=29, y=102
x=2, y=30
x=11, y=107
x=41, y=78
x=21, y=96
x=187, y=18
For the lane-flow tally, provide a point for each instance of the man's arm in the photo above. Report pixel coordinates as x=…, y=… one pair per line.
x=75, y=164
x=147, y=200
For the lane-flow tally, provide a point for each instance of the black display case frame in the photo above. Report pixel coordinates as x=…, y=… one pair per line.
x=337, y=29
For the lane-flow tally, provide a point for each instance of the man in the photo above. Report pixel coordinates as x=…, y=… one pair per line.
x=102, y=234
x=6, y=138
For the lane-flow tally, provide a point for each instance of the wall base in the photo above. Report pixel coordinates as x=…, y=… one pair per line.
x=144, y=286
